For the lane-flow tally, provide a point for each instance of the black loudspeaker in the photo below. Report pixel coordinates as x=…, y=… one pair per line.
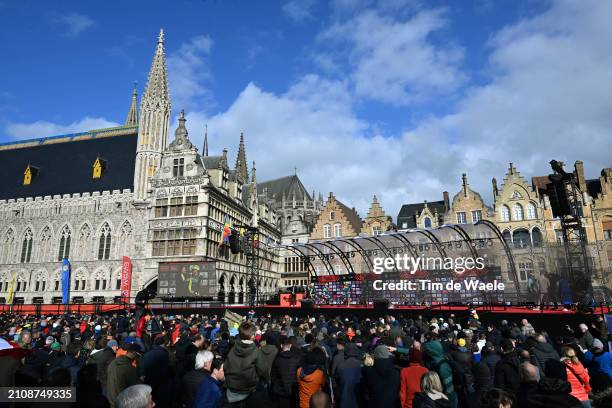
x=307, y=304
x=557, y=194
x=234, y=241
x=381, y=305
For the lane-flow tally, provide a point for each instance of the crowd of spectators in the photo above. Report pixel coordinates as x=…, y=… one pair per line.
x=142, y=360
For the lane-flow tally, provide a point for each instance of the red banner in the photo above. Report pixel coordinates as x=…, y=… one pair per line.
x=126, y=279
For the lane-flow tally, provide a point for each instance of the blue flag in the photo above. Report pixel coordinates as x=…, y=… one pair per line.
x=65, y=281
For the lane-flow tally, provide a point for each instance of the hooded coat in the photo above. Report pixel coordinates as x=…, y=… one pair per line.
x=310, y=380
x=434, y=352
x=348, y=376
x=102, y=359
x=244, y=367
x=283, y=377
x=552, y=392
x=542, y=352
x=121, y=374
x=507, y=373
x=381, y=383
x=268, y=355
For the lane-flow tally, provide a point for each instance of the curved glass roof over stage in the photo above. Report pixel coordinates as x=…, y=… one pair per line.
x=452, y=253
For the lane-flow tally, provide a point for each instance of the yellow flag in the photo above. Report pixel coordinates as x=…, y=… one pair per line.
x=11, y=289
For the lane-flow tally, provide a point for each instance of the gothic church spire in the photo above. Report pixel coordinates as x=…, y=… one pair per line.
x=205, y=148
x=156, y=91
x=132, y=117
x=154, y=123
x=241, y=163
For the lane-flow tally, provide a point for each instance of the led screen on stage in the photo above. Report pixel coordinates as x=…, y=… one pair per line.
x=430, y=287
x=187, y=279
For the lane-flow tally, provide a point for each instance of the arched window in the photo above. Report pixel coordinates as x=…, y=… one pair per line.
x=40, y=281
x=427, y=222
x=531, y=211
x=521, y=238
x=4, y=281
x=45, y=242
x=64, y=246
x=100, y=280
x=105, y=242
x=505, y=213
x=8, y=241
x=125, y=238
x=80, y=280
x=26, y=246
x=326, y=231
x=536, y=237
x=518, y=212
x=21, y=283
x=57, y=281
x=338, y=230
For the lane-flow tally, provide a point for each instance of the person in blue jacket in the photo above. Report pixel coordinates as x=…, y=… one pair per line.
x=209, y=394
x=598, y=360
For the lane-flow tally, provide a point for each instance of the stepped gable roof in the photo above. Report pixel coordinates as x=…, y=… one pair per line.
x=65, y=163
x=351, y=215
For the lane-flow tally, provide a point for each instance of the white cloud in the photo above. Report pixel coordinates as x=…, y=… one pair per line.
x=299, y=10
x=392, y=58
x=548, y=96
x=43, y=128
x=74, y=23
x=189, y=73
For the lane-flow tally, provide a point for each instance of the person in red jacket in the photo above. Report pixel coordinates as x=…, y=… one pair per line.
x=141, y=326
x=577, y=375
x=410, y=378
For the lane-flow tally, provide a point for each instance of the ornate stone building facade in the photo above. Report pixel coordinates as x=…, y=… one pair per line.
x=296, y=211
x=97, y=196
x=336, y=220
x=467, y=206
x=376, y=221
x=65, y=212
x=428, y=214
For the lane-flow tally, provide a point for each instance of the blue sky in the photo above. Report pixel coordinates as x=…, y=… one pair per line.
x=395, y=97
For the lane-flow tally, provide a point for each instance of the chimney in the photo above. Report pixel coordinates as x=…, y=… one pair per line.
x=579, y=171
x=495, y=191
x=446, y=201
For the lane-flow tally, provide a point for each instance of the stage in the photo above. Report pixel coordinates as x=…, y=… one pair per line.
x=217, y=307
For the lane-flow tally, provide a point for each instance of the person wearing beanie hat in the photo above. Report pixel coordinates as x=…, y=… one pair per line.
x=410, y=378
x=597, y=360
x=381, y=352
x=382, y=380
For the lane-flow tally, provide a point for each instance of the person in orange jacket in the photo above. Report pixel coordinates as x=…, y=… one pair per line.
x=310, y=376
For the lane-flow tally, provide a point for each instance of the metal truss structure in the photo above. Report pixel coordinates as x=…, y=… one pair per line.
x=356, y=254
